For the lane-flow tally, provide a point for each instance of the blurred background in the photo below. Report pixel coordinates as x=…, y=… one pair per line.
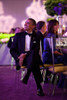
x=13, y=13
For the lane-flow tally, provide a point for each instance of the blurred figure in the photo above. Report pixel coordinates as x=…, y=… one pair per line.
x=12, y=31
x=41, y=30
x=22, y=29
x=17, y=30
x=53, y=26
x=59, y=56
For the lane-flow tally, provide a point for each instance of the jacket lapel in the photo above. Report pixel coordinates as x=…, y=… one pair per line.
x=23, y=41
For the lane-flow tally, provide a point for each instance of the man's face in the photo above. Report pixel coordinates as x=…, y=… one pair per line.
x=28, y=26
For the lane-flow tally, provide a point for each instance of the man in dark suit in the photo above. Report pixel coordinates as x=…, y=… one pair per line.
x=25, y=50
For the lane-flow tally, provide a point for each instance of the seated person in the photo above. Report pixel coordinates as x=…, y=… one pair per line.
x=59, y=57
x=41, y=30
x=12, y=31
x=16, y=30
x=25, y=50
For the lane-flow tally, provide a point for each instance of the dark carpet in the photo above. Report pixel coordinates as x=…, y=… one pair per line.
x=11, y=87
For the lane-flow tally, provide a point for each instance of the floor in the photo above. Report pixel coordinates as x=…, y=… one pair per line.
x=12, y=88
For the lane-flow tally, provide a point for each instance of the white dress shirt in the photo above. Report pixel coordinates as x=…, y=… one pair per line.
x=27, y=42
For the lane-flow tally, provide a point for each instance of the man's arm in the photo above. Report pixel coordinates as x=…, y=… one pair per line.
x=21, y=58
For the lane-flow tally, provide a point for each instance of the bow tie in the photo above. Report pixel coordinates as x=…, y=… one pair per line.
x=29, y=34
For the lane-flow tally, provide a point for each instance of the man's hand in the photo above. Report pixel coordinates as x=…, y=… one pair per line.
x=21, y=58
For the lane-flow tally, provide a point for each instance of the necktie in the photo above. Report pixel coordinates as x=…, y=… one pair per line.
x=29, y=34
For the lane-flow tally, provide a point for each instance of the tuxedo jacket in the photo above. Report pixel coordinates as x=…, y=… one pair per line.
x=18, y=47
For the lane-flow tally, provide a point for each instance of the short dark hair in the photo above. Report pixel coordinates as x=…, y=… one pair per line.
x=33, y=21
x=39, y=25
x=51, y=25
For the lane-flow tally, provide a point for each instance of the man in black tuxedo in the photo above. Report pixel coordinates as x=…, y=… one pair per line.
x=25, y=50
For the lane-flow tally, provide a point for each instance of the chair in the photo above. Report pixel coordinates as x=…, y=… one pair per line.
x=12, y=62
x=65, y=81
x=23, y=71
x=19, y=75
x=55, y=69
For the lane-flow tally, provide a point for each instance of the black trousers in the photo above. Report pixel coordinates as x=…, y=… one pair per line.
x=37, y=76
x=32, y=64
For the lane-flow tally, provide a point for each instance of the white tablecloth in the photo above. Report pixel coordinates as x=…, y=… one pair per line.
x=5, y=56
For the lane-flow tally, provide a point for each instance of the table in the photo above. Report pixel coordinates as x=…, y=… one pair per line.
x=5, y=56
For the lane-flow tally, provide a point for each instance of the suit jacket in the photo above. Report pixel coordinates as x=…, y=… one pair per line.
x=18, y=47
x=41, y=38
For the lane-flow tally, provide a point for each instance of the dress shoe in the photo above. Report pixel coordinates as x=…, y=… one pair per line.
x=40, y=93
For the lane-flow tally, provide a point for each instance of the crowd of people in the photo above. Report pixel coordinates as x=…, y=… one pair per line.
x=30, y=47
